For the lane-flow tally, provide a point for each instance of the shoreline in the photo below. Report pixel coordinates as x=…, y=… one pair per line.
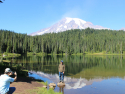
x=86, y=53
x=45, y=54
x=25, y=84
x=30, y=85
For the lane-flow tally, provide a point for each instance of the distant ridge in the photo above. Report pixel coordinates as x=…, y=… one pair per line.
x=67, y=24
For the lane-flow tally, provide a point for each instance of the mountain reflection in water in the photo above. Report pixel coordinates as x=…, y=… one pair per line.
x=70, y=83
x=104, y=73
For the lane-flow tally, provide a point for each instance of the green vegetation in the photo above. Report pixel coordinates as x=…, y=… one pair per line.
x=31, y=53
x=10, y=55
x=102, y=70
x=69, y=42
x=24, y=73
x=42, y=91
x=102, y=53
x=21, y=72
x=78, y=64
x=6, y=61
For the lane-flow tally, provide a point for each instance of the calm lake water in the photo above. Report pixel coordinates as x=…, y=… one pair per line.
x=83, y=75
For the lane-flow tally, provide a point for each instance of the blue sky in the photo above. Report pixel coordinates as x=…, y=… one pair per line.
x=27, y=16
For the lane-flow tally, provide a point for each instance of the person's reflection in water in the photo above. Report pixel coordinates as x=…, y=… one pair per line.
x=61, y=89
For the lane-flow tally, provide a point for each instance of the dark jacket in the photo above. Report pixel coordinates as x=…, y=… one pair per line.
x=61, y=68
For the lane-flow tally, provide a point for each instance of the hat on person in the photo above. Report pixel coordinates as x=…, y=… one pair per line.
x=8, y=70
x=62, y=61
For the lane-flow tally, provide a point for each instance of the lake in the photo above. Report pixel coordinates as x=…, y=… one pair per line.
x=83, y=74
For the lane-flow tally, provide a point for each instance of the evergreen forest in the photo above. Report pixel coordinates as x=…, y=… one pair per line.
x=68, y=42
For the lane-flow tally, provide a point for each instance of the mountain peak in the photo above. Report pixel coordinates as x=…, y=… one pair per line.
x=67, y=24
x=77, y=20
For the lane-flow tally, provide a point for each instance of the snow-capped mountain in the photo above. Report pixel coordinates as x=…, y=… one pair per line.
x=67, y=24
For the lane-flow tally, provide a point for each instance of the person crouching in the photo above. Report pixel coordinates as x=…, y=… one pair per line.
x=5, y=81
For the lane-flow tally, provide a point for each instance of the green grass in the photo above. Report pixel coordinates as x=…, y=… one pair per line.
x=78, y=54
x=45, y=83
x=10, y=54
x=40, y=90
x=102, y=53
x=31, y=53
x=6, y=61
x=41, y=54
x=86, y=53
x=56, y=54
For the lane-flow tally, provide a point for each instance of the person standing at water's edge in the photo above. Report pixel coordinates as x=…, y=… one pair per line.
x=5, y=81
x=61, y=69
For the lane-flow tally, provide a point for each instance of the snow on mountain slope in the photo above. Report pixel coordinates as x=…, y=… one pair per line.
x=67, y=24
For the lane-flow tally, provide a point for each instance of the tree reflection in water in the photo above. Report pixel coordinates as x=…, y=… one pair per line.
x=87, y=68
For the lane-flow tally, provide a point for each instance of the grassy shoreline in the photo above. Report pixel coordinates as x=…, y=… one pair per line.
x=102, y=53
x=86, y=53
x=43, y=54
x=9, y=55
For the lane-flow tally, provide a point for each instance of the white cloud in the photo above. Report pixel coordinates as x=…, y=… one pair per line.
x=74, y=13
x=81, y=11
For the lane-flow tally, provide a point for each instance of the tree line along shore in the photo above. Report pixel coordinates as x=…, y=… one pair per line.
x=86, y=41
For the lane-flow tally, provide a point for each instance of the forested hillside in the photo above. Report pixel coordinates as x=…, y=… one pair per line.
x=69, y=42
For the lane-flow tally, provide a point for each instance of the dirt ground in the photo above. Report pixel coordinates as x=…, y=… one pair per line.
x=23, y=85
